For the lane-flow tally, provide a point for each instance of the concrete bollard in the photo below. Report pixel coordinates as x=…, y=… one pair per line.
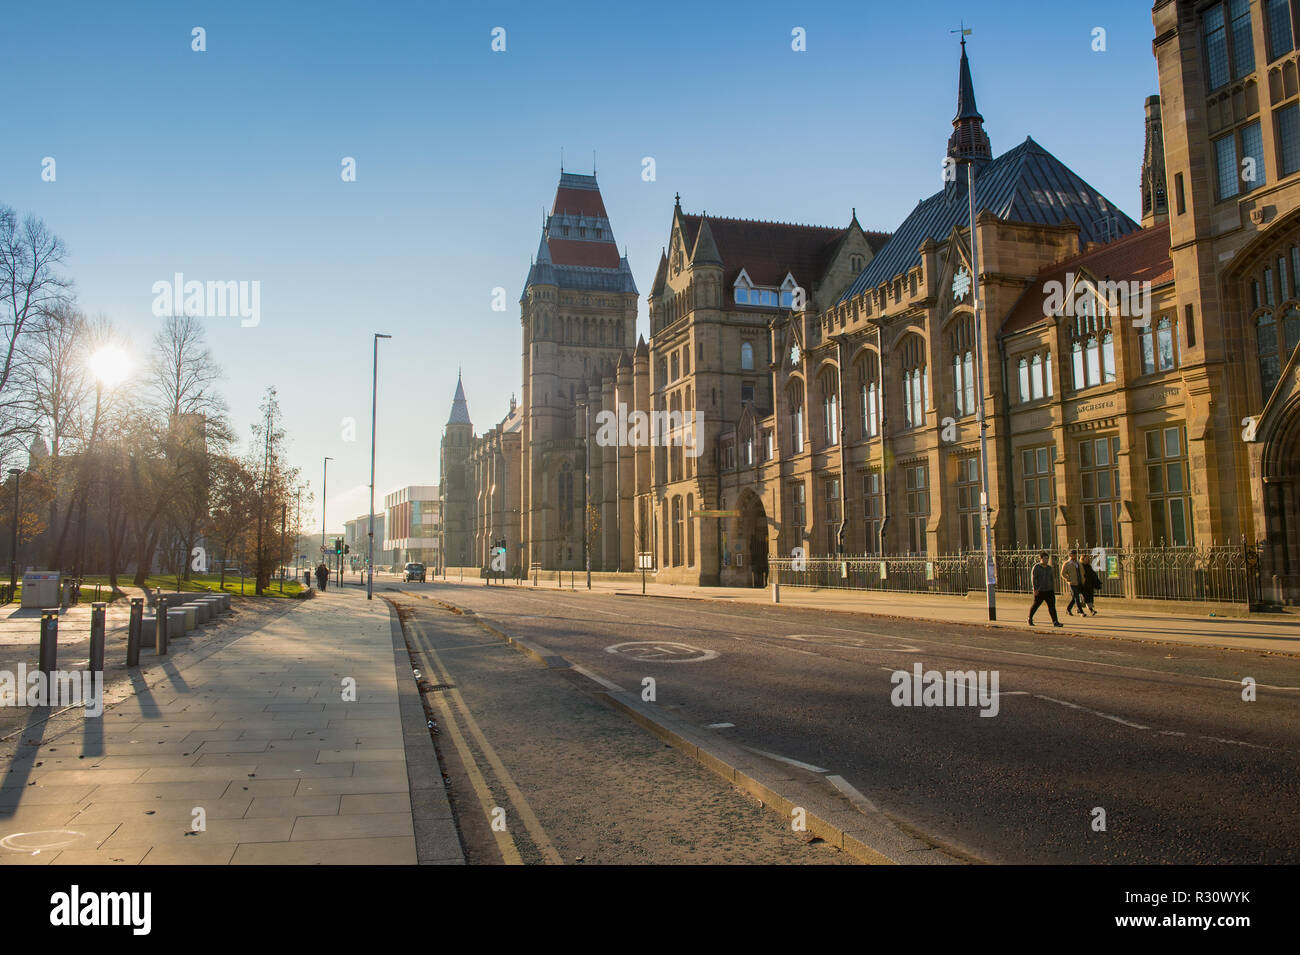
x=177, y=622
x=49, y=651
x=160, y=629
x=202, y=610
x=96, y=663
x=133, y=632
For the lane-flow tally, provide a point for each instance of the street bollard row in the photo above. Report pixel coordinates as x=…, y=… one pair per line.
x=168, y=619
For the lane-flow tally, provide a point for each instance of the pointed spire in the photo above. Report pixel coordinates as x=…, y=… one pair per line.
x=706, y=250
x=642, y=349
x=968, y=141
x=661, y=275
x=459, y=407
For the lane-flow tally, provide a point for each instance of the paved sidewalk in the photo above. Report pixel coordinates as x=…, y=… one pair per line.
x=1278, y=633
x=256, y=734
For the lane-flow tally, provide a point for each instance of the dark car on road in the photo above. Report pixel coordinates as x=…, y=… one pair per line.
x=414, y=571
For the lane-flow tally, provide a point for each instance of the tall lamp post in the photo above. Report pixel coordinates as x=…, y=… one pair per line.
x=990, y=566
x=586, y=493
x=370, y=545
x=13, y=543
x=324, y=485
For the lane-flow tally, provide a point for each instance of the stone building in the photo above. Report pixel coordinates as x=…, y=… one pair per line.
x=814, y=390
x=1230, y=90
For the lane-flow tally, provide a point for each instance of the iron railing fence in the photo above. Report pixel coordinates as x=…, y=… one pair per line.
x=1211, y=573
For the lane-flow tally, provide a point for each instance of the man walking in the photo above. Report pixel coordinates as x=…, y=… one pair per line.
x=1072, y=574
x=1091, y=584
x=322, y=575
x=1044, y=582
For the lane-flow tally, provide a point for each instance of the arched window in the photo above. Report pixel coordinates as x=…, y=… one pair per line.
x=1093, y=348
x=963, y=366
x=1266, y=340
x=1291, y=330
x=677, y=531
x=676, y=367
x=1036, y=377
x=869, y=385
x=830, y=407
x=690, y=530
x=1107, y=356
x=796, y=416
x=916, y=381
x=1024, y=379
x=746, y=356
x=565, y=498
x=1047, y=374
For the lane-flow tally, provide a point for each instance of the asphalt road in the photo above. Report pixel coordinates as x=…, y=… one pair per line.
x=1158, y=737
x=567, y=779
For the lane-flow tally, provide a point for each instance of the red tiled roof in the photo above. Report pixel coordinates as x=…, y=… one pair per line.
x=585, y=202
x=767, y=251
x=602, y=255
x=1141, y=256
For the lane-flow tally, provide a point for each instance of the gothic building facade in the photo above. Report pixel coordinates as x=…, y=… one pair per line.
x=817, y=388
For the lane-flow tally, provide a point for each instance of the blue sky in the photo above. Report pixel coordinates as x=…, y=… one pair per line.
x=225, y=165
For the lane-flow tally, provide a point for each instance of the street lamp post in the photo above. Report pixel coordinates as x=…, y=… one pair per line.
x=13, y=543
x=370, y=546
x=324, y=485
x=990, y=568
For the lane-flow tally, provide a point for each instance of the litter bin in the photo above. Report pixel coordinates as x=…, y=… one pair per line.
x=41, y=589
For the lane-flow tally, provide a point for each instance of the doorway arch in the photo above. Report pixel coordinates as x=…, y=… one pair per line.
x=753, y=537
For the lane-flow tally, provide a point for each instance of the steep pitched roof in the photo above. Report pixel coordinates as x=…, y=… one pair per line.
x=1141, y=256
x=577, y=248
x=1024, y=184
x=459, y=407
x=768, y=251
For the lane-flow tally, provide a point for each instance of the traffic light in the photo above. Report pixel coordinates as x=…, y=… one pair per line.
x=338, y=545
x=347, y=548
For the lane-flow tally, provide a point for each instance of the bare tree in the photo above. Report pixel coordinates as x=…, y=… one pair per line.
x=31, y=289
x=184, y=373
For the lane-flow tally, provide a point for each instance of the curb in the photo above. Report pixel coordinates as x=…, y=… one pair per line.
x=437, y=838
x=871, y=839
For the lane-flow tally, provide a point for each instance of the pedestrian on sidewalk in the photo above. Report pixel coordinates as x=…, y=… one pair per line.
x=1072, y=574
x=322, y=575
x=1044, y=581
x=1091, y=584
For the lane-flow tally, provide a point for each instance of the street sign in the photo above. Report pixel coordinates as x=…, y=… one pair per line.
x=645, y=561
x=716, y=513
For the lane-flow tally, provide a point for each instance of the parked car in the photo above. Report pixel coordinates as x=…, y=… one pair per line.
x=414, y=571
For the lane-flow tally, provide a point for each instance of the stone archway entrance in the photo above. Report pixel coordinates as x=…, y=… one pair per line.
x=1280, y=501
x=753, y=537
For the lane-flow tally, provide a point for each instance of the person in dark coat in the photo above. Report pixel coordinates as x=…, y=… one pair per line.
x=1044, y=582
x=322, y=575
x=1091, y=584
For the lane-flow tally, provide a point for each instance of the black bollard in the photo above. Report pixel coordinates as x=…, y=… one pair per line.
x=49, y=652
x=96, y=664
x=133, y=632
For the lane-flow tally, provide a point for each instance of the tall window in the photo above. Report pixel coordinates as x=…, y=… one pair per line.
x=796, y=417
x=830, y=408
x=918, y=507
x=1099, y=476
x=1229, y=52
x=1288, y=138
x=676, y=365
x=1093, y=347
x=690, y=530
x=746, y=356
x=565, y=498
x=677, y=531
x=1168, y=486
x=1159, y=346
x=1040, y=495
x=968, y=503
x=832, y=488
x=869, y=385
x=872, y=509
x=1269, y=365
x=1280, y=38
x=1233, y=173
x=916, y=381
x=1024, y=380
x=798, y=511
x=963, y=366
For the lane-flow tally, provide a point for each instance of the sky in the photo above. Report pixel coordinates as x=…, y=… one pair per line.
x=226, y=164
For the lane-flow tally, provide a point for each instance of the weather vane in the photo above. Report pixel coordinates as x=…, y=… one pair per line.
x=963, y=31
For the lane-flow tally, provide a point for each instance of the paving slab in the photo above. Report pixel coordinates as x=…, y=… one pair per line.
x=256, y=732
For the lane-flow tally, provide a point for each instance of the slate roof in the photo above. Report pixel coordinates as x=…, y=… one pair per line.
x=578, y=195
x=573, y=261
x=1141, y=256
x=1024, y=184
x=459, y=407
x=767, y=251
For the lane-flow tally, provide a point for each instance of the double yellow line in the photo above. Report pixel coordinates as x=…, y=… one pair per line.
x=445, y=698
